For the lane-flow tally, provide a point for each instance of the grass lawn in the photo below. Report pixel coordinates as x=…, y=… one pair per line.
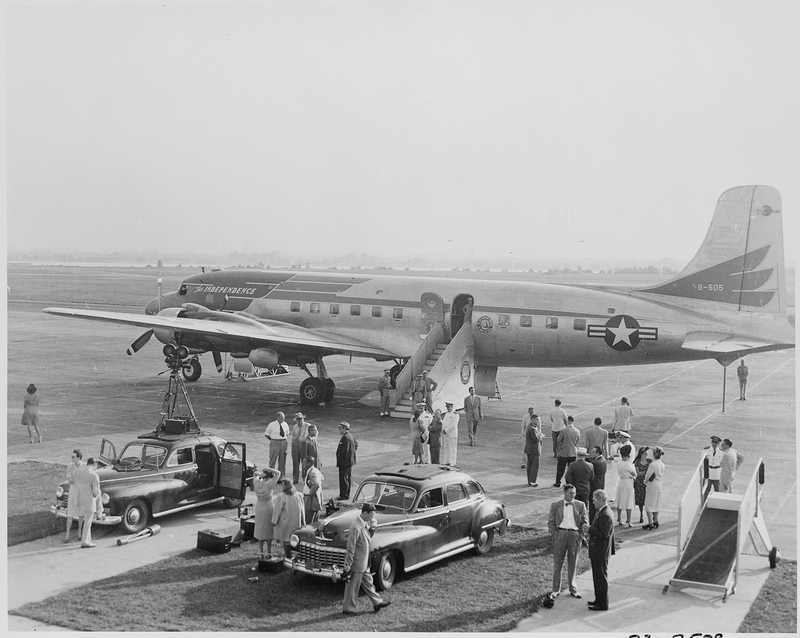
x=775, y=609
x=31, y=490
x=197, y=591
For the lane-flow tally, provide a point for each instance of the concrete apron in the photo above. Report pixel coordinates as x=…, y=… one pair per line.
x=637, y=574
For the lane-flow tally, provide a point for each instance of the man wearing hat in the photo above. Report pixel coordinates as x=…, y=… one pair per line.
x=580, y=473
x=714, y=459
x=299, y=432
x=383, y=387
x=345, y=460
x=449, y=435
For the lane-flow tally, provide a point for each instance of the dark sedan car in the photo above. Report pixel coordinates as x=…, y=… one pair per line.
x=424, y=513
x=159, y=474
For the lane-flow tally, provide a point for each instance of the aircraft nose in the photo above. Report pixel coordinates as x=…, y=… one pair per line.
x=152, y=306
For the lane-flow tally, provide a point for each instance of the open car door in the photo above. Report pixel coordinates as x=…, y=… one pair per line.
x=232, y=471
x=108, y=454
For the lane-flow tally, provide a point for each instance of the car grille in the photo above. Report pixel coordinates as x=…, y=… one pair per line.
x=321, y=554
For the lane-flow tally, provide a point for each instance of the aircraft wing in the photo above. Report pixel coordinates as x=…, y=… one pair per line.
x=724, y=343
x=251, y=332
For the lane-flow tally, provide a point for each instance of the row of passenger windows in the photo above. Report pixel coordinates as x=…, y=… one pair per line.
x=526, y=321
x=355, y=309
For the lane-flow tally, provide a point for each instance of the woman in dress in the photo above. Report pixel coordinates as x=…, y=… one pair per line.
x=653, y=479
x=419, y=428
x=30, y=414
x=626, y=473
x=435, y=436
x=640, y=464
x=288, y=514
x=72, y=513
x=263, y=484
x=612, y=475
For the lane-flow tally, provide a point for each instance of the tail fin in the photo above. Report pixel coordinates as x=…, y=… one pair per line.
x=741, y=260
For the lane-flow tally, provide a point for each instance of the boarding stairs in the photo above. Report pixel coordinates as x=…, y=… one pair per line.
x=404, y=407
x=449, y=363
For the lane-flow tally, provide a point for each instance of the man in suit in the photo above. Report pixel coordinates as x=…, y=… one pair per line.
x=567, y=525
x=356, y=562
x=87, y=489
x=473, y=413
x=309, y=446
x=601, y=546
x=732, y=460
x=299, y=432
x=450, y=435
x=742, y=372
x=580, y=473
x=345, y=460
x=568, y=440
x=622, y=415
x=597, y=435
x=599, y=465
x=533, y=449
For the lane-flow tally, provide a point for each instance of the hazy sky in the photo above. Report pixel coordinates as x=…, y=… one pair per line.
x=480, y=128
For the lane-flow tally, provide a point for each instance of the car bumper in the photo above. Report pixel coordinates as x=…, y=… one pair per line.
x=333, y=573
x=60, y=512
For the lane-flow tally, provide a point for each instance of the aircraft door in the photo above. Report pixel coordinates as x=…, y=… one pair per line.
x=461, y=312
x=432, y=311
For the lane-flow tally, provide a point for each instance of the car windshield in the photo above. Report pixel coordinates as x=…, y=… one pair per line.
x=386, y=496
x=142, y=455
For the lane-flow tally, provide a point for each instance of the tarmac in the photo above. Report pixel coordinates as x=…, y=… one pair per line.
x=678, y=406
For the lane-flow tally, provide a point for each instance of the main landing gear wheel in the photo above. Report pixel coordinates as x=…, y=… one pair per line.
x=192, y=370
x=330, y=390
x=387, y=571
x=311, y=391
x=774, y=557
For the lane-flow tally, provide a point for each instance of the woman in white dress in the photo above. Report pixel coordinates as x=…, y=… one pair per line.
x=625, y=495
x=653, y=480
x=612, y=475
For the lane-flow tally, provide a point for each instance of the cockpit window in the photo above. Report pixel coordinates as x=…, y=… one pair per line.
x=183, y=289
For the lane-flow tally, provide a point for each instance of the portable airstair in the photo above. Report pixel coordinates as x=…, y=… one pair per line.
x=712, y=534
x=451, y=365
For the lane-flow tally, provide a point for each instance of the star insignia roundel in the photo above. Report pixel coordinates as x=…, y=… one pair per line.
x=622, y=333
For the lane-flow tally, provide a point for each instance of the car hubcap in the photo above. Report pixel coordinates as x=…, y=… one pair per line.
x=483, y=538
x=133, y=516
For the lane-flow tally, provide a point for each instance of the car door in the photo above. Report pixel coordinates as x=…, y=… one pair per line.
x=180, y=473
x=431, y=520
x=232, y=467
x=460, y=509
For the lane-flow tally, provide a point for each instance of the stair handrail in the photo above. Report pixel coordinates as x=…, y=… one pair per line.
x=417, y=361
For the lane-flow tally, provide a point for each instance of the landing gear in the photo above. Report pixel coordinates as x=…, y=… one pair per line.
x=192, y=370
x=312, y=391
x=317, y=389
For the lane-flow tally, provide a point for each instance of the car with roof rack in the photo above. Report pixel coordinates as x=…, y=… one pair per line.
x=161, y=473
x=423, y=514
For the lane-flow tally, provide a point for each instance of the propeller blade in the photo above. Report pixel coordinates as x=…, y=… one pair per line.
x=139, y=343
x=217, y=360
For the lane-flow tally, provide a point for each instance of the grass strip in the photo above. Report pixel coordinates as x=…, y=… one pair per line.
x=31, y=490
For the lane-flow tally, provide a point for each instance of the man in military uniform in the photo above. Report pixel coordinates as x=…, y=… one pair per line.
x=383, y=387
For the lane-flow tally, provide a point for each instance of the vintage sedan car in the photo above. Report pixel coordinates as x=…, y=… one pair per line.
x=424, y=513
x=159, y=474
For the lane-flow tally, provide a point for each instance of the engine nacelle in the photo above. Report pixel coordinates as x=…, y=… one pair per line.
x=263, y=358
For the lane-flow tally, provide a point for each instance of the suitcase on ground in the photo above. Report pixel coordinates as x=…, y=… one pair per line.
x=273, y=564
x=215, y=542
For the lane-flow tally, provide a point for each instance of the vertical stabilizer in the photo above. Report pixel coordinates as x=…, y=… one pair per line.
x=741, y=260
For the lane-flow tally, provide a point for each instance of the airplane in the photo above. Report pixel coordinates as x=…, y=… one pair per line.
x=729, y=301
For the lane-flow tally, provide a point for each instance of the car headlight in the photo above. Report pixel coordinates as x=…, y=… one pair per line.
x=294, y=541
x=59, y=492
x=105, y=498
